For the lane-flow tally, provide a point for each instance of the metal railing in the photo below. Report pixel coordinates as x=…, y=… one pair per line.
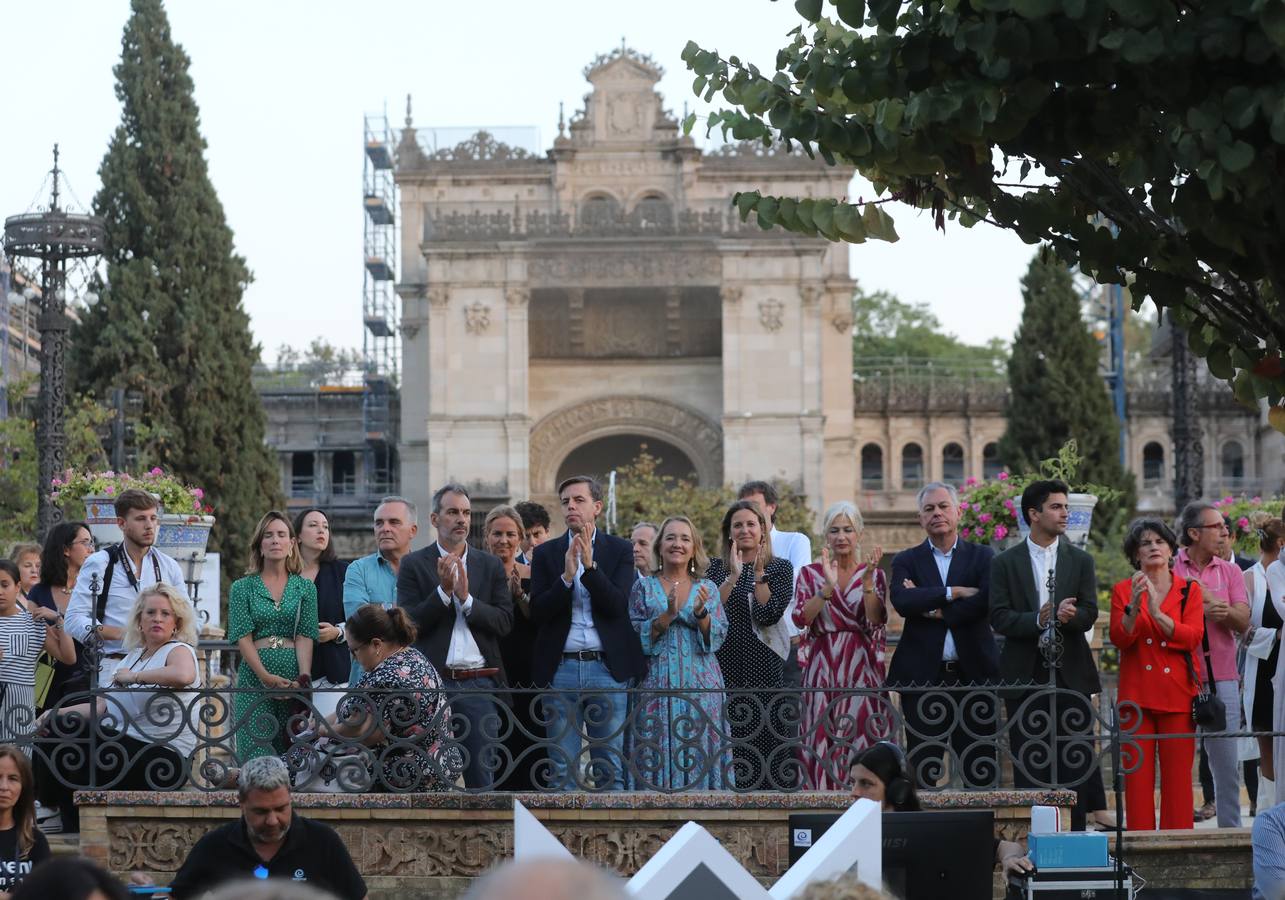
x=646, y=739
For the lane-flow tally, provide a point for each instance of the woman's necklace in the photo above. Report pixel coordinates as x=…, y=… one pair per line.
x=142, y=658
x=672, y=582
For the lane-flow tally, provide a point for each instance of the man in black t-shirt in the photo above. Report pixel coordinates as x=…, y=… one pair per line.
x=269, y=841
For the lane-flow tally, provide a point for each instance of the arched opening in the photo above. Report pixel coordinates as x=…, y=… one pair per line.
x=872, y=467
x=1153, y=465
x=952, y=464
x=991, y=464
x=1233, y=465
x=600, y=456
x=912, y=467
x=653, y=212
x=598, y=211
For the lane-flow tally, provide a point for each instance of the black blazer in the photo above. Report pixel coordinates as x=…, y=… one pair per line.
x=331, y=660
x=918, y=655
x=608, y=585
x=490, y=618
x=1015, y=614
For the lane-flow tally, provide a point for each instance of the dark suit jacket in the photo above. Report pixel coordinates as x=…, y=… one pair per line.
x=490, y=618
x=331, y=660
x=1014, y=612
x=918, y=655
x=608, y=585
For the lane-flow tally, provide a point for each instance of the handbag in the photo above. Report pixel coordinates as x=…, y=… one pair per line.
x=44, y=678
x=1209, y=712
x=299, y=707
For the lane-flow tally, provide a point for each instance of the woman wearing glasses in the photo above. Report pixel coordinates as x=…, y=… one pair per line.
x=66, y=549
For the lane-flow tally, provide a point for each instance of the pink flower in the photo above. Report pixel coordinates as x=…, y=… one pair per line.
x=1003, y=476
x=196, y=504
x=981, y=534
x=964, y=506
x=157, y=471
x=1010, y=506
x=970, y=481
x=965, y=532
x=109, y=474
x=984, y=518
x=1255, y=499
x=1227, y=499
x=198, y=493
x=109, y=490
x=1243, y=523
x=1000, y=532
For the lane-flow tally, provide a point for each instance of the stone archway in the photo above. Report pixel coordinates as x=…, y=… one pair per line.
x=558, y=434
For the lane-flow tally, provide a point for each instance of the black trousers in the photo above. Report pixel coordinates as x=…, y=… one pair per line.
x=1053, y=746
x=963, y=722
x=114, y=761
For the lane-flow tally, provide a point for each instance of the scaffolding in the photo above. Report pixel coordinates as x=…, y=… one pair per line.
x=379, y=301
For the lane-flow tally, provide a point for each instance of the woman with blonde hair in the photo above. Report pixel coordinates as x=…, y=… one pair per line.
x=272, y=618
x=147, y=734
x=842, y=607
x=681, y=623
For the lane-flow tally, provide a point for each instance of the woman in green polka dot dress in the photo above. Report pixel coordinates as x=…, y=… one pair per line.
x=272, y=618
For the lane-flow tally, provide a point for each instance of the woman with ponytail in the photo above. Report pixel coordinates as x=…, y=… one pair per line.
x=396, y=717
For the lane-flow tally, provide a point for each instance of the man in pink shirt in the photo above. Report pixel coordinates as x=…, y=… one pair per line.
x=1226, y=615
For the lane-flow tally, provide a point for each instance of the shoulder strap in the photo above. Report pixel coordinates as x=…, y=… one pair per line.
x=100, y=602
x=1182, y=611
x=297, y=610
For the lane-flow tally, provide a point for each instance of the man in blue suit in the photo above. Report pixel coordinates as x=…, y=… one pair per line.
x=586, y=648
x=942, y=589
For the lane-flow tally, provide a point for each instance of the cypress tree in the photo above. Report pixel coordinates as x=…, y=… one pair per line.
x=1055, y=390
x=170, y=323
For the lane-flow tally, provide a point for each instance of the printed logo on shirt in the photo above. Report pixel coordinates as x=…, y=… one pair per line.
x=12, y=873
x=299, y=875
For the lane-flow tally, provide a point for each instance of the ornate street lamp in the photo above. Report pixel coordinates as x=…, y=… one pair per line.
x=55, y=237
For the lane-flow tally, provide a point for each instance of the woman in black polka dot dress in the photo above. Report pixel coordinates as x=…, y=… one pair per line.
x=756, y=588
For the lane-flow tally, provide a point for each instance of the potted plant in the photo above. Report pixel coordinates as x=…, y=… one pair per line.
x=1247, y=515
x=990, y=509
x=185, y=518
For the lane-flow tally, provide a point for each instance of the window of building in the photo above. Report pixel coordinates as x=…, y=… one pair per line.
x=991, y=464
x=1233, y=464
x=912, y=467
x=303, y=475
x=872, y=467
x=598, y=211
x=952, y=464
x=343, y=472
x=654, y=212
x=1153, y=464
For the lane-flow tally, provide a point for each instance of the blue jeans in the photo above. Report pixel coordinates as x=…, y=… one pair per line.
x=600, y=706
x=476, y=724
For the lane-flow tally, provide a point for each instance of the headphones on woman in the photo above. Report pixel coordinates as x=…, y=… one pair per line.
x=898, y=788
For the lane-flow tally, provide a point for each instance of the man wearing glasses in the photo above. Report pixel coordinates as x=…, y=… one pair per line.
x=1203, y=534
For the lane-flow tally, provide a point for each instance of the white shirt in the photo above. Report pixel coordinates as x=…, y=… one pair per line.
x=583, y=634
x=153, y=716
x=463, y=652
x=121, y=594
x=795, y=547
x=948, y=652
x=1043, y=561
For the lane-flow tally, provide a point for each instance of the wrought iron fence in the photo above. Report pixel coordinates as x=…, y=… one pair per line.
x=464, y=739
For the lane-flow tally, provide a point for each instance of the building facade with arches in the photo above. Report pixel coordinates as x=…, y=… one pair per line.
x=563, y=310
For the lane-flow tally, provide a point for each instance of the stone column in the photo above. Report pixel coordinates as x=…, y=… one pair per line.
x=518, y=419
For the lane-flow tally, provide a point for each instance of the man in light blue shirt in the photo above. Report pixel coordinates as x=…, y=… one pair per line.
x=373, y=578
x=1269, y=854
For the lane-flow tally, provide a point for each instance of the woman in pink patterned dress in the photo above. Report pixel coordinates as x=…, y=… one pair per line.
x=841, y=607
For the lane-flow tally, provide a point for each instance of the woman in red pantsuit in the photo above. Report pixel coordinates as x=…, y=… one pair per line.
x=1155, y=630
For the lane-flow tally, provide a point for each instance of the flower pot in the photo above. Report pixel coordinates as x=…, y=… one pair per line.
x=100, y=516
x=184, y=538
x=1077, y=525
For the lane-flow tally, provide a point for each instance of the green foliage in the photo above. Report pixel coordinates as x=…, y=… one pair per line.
x=644, y=495
x=886, y=327
x=18, y=464
x=1141, y=139
x=75, y=484
x=1055, y=392
x=320, y=363
x=171, y=324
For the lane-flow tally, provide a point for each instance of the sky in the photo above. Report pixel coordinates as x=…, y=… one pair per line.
x=282, y=87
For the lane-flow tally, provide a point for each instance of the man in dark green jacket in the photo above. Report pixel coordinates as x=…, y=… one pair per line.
x=1043, y=598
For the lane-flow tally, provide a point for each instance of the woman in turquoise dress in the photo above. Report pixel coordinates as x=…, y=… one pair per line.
x=272, y=618
x=678, y=738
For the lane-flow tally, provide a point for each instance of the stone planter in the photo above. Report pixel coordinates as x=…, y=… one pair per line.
x=100, y=516
x=184, y=538
x=1077, y=526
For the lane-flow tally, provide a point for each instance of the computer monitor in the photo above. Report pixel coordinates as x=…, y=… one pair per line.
x=926, y=855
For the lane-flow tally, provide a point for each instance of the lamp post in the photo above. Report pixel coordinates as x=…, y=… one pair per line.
x=1188, y=452
x=54, y=238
